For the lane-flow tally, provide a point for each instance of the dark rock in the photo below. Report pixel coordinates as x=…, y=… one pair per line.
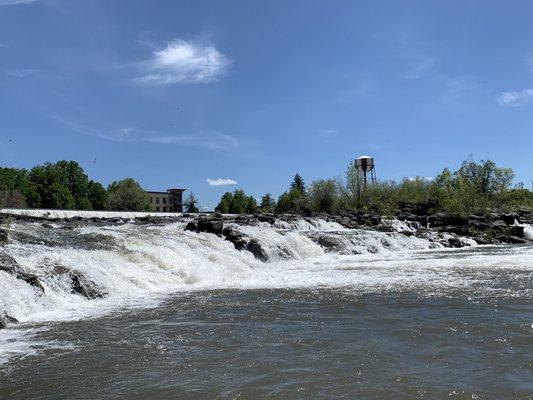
x=455, y=242
x=31, y=279
x=330, y=243
x=192, y=226
x=79, y=283
x=479, y=218
x=257, y=250
x=9, y=265
x=478, y=225
x=83, y=286
x=516, y=230
x=210, y=225
x=47, y=225
x=266, y=218
x=7, y=319
x=511, y=239
x=4, y=236
x=235, y=237
x=406, y=233
x=446, y=219
x=484, y=240
x=372, y=249
x=510, y=218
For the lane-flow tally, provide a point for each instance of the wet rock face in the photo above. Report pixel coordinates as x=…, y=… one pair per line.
x=9, y=264
x=235, y=237
x=4, y=236
x=257, y=250
x=213, y=223
x=6, y=319
x=84, y=287
x=510, y=218
x=79, y=283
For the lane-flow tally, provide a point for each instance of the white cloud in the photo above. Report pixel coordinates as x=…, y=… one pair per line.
x=184, y=62
x=220, y=182
x=514, y=99
x=15, y=2
x=23, y=73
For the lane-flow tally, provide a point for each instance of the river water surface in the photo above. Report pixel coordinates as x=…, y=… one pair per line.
x=187, y=316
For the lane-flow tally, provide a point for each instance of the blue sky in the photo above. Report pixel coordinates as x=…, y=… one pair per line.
x=205, y=93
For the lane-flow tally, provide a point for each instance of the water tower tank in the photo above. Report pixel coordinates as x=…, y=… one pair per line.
x=365, y=163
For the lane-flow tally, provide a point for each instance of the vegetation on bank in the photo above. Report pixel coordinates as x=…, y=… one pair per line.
x=474, y=188
x=64, y=185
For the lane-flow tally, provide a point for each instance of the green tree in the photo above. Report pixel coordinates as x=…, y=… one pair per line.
x=298, y=184
x=97, y=195
x=268, y=204
x=292, y=201
x=191, y=204
x=127, y=195
x=236, y=203
x=56, y=184
x=323, y=195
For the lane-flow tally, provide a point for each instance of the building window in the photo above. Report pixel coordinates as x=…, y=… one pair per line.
x=164, y=200
x=157, y=201
x=157, y=208
x=151, y=200
x=164, y=209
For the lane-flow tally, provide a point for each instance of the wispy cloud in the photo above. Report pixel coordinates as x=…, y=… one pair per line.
x=183, y=62
x=23, y=72
x=515, y=99
x=418, y=66
x=211, y=141
x=15, y=2
x=220, y=182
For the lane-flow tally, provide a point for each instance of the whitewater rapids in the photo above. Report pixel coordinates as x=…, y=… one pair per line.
x=139, y=266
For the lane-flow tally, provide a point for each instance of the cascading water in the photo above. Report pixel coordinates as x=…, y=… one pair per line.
x=134, y=265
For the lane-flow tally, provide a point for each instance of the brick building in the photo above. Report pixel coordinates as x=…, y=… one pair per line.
x=169, y=201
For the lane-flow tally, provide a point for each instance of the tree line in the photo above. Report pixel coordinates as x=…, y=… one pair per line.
x=474, y=188
x=65, y=185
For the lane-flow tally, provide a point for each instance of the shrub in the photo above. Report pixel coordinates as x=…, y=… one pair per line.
x=127, y=195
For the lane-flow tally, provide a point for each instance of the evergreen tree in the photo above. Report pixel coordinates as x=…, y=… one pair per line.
x=298, y=184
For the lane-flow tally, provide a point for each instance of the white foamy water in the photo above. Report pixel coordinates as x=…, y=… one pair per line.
x=140, y=265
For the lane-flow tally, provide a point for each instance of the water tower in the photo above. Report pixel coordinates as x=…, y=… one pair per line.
x=365, y=164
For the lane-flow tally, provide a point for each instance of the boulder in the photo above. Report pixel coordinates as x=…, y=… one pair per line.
x=510, y=218
x=257, y=250
x=446, y=219
x=210, y=225
x=235, y=237
x=83, y=286
x=3, y=236
x=266, y=218
x=455, y=242
x=330, y=243
x=516, y=230
x=483, y=240
x=6, y=319
x=192, y=226
x=511, y=239
x=9, y=265
x=79, y=283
